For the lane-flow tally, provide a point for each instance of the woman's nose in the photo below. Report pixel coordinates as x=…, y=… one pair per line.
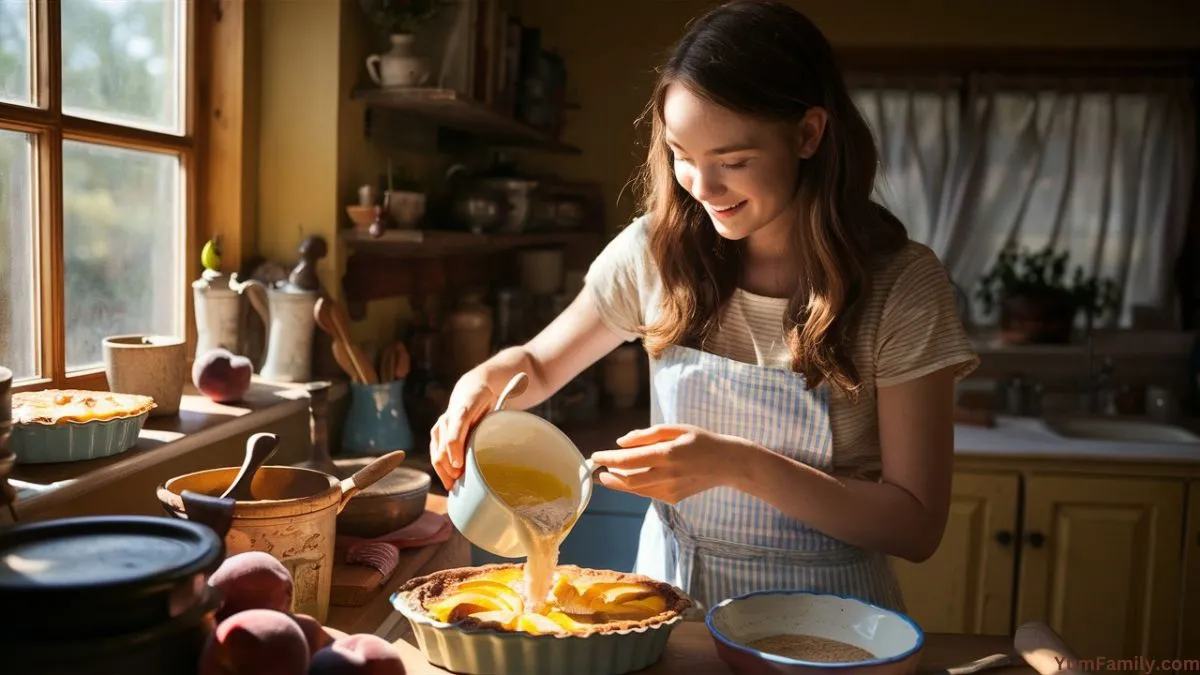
x=706, y=185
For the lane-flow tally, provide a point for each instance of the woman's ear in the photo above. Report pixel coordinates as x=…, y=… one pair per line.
x=810, y=131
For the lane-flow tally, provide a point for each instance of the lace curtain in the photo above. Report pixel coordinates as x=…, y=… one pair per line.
x=1102, y=169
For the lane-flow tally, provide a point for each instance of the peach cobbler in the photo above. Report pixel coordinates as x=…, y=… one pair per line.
x=581, y=601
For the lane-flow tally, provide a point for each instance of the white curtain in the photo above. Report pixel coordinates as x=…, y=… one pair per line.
x=1102, y=169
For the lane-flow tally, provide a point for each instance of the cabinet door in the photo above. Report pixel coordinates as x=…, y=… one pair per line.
x=1100, y=562
x=1189, y=644
x=967, y=585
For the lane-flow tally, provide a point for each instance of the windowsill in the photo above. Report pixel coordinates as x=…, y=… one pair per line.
x=200, y=423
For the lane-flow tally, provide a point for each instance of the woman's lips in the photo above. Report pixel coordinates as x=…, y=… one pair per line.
x=726, y=211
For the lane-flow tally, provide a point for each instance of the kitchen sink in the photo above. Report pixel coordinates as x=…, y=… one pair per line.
x=1128, y=431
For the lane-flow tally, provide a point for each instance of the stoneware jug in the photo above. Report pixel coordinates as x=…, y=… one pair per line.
x=218, y=301
x=401, y=66
x=288, y=314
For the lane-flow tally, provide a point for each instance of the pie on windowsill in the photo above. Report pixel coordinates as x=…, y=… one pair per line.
x=61, y=406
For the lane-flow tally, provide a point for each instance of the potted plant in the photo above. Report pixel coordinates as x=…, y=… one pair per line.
x=399, y=20
x=1037, y=302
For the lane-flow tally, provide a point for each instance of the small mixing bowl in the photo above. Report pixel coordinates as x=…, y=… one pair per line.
x=894, y=639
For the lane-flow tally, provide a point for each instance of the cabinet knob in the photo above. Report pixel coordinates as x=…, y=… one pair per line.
x=1004, y=537
x=1035, y=539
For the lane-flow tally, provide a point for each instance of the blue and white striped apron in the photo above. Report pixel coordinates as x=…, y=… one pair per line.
x=722, y=542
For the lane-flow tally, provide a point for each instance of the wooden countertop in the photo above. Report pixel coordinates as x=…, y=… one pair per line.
x=690, y=651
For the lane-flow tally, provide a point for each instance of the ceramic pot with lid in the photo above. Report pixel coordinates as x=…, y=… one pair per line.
x=106, y=595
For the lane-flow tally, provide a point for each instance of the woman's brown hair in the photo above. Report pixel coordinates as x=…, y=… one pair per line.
x=766, y=60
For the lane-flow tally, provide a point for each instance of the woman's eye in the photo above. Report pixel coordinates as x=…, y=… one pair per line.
x=737, y=165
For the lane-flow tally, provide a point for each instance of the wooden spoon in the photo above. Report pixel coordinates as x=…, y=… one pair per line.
x=403, y=362
x=343, y=359
x=332, y=319
x=387, y=363
x=259, y=449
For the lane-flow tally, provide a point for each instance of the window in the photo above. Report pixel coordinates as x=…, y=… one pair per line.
x=1099, y=167
x=97, y=180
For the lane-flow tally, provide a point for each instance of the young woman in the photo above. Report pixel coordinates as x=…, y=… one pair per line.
x=803, y=350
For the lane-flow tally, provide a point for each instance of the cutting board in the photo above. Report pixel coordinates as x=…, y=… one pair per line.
x=356, y=585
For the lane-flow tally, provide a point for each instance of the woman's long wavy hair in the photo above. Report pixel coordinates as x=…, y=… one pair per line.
x=766, y=60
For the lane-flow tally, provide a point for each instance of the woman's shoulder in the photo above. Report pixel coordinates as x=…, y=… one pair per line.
x=912, y=262
x=630, y=247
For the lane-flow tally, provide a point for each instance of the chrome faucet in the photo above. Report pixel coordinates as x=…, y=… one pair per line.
x=1098, y=396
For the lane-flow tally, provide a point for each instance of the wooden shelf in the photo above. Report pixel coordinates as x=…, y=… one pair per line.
x=441, y=243
x=419, y=262
x=454, y=110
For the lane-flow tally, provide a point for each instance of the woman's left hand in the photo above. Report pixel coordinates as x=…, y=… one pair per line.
x=669, y=462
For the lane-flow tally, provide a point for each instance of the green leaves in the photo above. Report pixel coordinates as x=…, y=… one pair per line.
x=399, y=16
x=1026, y=272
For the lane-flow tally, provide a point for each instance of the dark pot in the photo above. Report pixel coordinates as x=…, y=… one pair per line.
x=1046, y=318
x=106, y=595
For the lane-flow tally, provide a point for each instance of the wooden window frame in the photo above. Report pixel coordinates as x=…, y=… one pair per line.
x=51, y=127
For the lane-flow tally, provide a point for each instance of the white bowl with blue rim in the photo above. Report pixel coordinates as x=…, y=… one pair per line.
x=886, y=642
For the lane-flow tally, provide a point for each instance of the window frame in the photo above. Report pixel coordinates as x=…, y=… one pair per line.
x=50, y=127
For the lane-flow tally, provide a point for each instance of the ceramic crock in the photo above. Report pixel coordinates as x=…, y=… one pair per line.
x=294, y=518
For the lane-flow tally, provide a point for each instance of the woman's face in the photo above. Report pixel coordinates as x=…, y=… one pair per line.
x=742, y=170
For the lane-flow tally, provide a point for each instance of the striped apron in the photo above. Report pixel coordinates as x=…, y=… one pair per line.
x=721, y=543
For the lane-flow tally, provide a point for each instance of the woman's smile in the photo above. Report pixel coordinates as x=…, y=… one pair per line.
x=726, y=211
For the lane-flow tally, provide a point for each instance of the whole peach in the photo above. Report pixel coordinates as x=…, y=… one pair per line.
x=252, y=580
x=360, y=654
x=256, y=642
x=222, y=375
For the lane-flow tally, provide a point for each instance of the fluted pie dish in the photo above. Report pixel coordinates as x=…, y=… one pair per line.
x=67, y=425
x=596, y=622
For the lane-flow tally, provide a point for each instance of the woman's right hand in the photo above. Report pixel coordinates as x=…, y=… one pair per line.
x=469, y=401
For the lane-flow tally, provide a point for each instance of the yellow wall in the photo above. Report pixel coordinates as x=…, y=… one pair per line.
x=312, y=155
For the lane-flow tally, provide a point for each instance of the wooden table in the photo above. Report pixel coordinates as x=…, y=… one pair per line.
x=691, y=652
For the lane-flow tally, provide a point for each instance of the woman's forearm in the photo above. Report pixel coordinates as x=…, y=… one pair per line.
x=873, y=515
x=504, y=365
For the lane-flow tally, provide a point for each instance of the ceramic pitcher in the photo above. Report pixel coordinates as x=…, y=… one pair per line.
x=288, y=314
x=218, y=301
x=401, y=66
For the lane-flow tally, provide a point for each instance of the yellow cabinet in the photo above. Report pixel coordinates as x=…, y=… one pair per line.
x=967, y=586
x=1101, y=562
x=1189, y=636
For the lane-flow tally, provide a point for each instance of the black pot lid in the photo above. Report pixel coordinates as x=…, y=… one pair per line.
x=104, y=554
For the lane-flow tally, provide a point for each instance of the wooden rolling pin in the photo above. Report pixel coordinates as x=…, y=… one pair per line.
x=1044, y=650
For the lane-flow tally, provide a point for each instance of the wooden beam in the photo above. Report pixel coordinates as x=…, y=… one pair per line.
x=226, y=121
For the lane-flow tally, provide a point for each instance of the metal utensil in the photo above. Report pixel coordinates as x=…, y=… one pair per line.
x=515, y=387
x=978, y=665
x=259, y=449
